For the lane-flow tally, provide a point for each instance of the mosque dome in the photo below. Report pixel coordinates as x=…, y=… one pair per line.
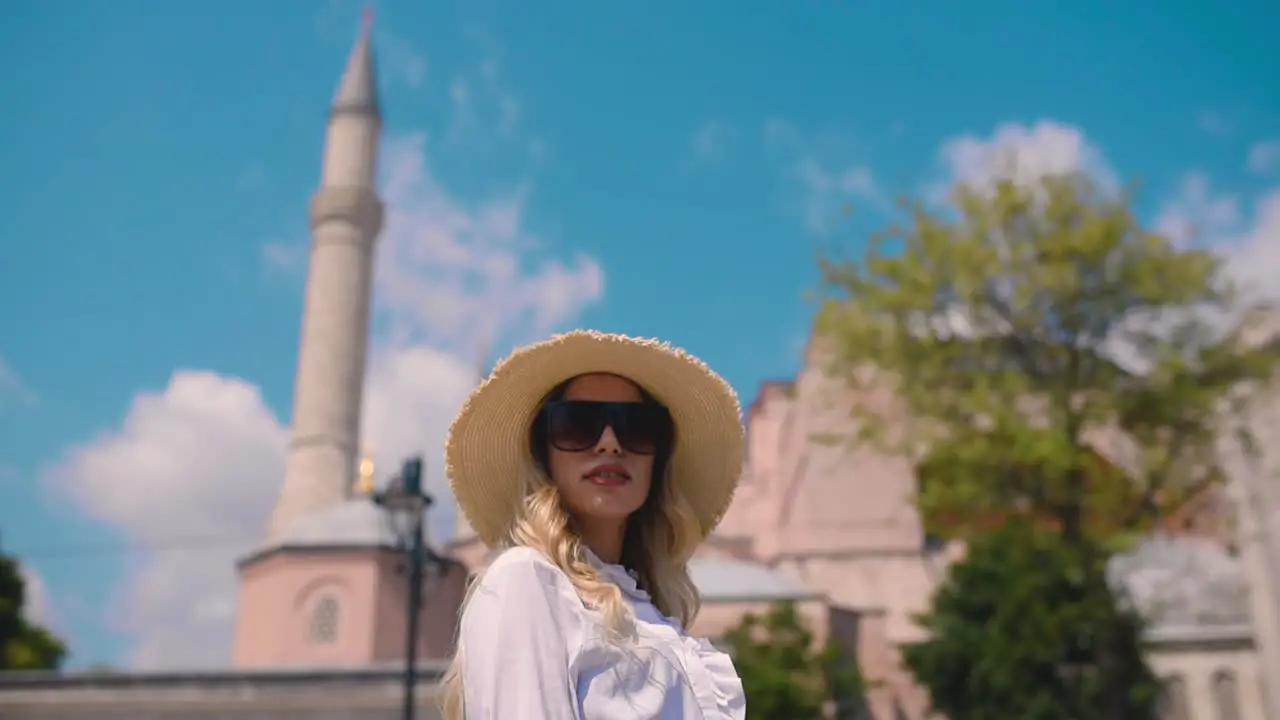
x=354, y=523
x=1182, y=584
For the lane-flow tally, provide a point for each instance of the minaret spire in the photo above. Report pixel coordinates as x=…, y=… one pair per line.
x=346, y=216
x=358, y=90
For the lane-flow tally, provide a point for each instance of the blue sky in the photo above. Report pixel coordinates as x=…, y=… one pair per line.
x=659, y=168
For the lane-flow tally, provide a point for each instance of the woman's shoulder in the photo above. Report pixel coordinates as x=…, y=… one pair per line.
x=522, y=569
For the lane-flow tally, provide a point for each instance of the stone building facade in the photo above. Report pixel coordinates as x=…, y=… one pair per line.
x=1195, y=596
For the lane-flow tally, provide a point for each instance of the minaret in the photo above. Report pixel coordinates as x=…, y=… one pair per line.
x=346, y=216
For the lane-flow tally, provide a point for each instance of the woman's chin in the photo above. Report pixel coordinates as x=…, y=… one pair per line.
x=610, y=505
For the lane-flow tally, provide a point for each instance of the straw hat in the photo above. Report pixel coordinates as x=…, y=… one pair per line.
x=487, y=454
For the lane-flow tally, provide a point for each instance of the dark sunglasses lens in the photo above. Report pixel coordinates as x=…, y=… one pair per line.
x=640, y=428
x=574, y=427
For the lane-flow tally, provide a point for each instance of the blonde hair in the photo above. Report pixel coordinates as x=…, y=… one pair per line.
x=661, y=537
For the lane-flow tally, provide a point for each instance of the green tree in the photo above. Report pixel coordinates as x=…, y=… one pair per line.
x=1018, y=330
x=23, y=645
x=1012, y=633
x=786, y=675
x=1034, y=337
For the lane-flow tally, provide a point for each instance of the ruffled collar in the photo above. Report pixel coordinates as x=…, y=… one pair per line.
x=711, y=674
x=626, y=580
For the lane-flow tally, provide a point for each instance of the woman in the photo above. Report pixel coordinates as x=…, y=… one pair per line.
x=596, y=463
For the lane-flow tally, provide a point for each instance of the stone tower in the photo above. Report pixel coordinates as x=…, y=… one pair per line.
x=346, y=216
x=328, y=587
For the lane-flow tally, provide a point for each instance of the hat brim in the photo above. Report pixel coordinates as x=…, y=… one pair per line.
x=487, y=454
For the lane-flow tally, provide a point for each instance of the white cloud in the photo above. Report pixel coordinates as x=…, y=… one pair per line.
x=284, y=257
x=1214, y=123
x=13, y=390
x=1248, y=238
x=407, y=65
x=188, y=479
x=191, y=474
x=1249, y=242
x=484, y=109
x=411, y=396
x=1264, y=157
x=1253, y=255
x=1196, y=213
x=780, y=132
x=830, y=192
x=830, y=182
x=1023, y=154
x=456, y=275
x=709, y=140
x=37, y=609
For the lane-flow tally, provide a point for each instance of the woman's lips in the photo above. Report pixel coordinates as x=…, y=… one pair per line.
x=610, y=474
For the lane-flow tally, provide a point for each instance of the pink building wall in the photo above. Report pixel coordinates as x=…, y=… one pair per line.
x=840, y=520
x=278, y=599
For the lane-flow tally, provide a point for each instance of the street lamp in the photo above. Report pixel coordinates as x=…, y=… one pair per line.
x=406, y=504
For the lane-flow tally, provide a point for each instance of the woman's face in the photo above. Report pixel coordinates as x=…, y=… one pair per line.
x=604, y=481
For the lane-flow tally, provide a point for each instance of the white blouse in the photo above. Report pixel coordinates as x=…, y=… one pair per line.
x=531, y=650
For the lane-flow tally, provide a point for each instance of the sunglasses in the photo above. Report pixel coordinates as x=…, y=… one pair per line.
x=576, y=425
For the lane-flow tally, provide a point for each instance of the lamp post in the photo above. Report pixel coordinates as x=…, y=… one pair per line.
x=406, y=504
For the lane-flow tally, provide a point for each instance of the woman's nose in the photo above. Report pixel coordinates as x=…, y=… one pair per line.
x=608, y=442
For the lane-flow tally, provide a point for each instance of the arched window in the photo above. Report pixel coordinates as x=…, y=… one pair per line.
x=324, y=620
x=1173, y=700
x=1226, y=696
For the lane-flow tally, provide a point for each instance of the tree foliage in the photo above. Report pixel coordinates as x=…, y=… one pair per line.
x=1031, y=331
x=23, y=645
x=785, y=674
x=1013, y=633
x=1043, y=356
